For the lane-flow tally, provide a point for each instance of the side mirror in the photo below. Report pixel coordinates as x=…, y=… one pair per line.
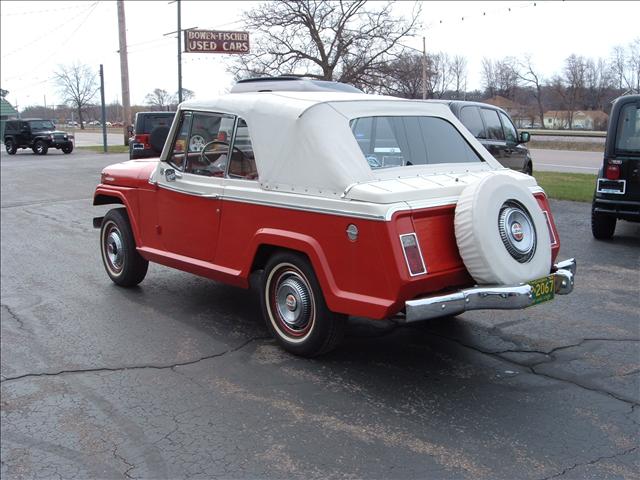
x=525, y=137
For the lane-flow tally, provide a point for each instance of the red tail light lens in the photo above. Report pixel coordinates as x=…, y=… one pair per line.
x=612, y=172
x=142, y=138
x=412, y=254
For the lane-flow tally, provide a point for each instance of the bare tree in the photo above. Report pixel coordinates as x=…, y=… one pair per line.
x=159, y=99
x=575, y=68
x=625, y=66
x=401, y=77
x=78, y=85
x=528, y=74
x=598, y=79
x=439, y=76
x=186, y=94
x=459, y=74
x=500, y=77
x=347, y=41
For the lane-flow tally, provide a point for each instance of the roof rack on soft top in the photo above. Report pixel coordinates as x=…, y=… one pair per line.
x=291, y=83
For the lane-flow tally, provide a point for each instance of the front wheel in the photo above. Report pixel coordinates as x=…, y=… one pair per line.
x=40, y=148
x=124, y=265
x=11, y=147
x=67, y=149
x=294, y=307
x=602, y=225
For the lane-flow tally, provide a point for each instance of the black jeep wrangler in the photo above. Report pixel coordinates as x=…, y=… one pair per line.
x=37, y=134
x=617, y=194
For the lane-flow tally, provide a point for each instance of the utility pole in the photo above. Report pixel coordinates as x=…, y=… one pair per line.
x=104, y=111
x=179, y=32
x=424, y=68
x=179, y=56
x=124, y=71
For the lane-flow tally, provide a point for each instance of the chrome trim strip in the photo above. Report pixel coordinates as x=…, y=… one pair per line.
x=329, y=211
x=188, y=192
x=553, y=235
x=500, y=297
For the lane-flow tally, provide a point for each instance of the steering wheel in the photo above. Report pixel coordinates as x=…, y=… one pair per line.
x=205, y=159
x=196, y=143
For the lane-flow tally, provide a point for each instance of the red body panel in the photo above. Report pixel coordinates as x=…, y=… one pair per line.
x=219, y=239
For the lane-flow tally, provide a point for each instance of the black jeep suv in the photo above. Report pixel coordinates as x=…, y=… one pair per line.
x=495, y=130
x=150, y=131
x=617, y=194
x=37, y=134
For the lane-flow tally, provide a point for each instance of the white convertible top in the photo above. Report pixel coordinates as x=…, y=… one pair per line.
x=303, y=143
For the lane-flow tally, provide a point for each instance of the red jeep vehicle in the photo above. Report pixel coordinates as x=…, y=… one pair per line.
x=342, y=203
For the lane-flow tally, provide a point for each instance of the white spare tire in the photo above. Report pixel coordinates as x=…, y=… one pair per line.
x=501, y=232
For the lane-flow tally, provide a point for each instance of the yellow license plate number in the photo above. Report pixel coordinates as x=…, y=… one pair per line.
x=543, y=289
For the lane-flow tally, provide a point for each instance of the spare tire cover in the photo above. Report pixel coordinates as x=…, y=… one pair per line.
x=501, y=232
x=157, y=138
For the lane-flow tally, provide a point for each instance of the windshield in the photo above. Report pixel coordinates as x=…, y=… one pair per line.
x=42, y=125
x=404, y=141
x=628, y=135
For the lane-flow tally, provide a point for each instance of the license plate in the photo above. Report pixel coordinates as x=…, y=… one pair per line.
x=543, y=289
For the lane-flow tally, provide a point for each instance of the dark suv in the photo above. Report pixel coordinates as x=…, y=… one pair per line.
x=617, y=194
x=493, y=127
x=37, y=134
x=150, y=131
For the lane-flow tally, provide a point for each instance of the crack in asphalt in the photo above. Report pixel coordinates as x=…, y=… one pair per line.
x=134, y=367
x=18, y=320
x=592, y=462
x=531, y=368
x=130, y=466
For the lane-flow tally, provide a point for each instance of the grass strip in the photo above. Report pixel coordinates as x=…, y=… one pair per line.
x=561, y=145
x=578, y=187
x=110, y=148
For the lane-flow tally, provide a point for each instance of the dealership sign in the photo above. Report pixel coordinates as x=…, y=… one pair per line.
x=211, y=41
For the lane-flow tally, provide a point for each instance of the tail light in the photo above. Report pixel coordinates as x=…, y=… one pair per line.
x=143, y=138
x=613, y=172
x=412, y=254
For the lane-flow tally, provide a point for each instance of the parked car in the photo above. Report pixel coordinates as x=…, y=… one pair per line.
x=150, y=131
x=412, y=219
x=617, y=192
x=495, y=130
x=36, y=134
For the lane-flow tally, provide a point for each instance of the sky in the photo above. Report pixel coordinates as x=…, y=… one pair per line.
x=37, y=37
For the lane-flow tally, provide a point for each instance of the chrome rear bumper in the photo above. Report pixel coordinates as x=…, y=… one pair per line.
x=498, y=297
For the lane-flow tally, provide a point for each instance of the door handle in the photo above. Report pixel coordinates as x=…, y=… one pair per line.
x=171, y=174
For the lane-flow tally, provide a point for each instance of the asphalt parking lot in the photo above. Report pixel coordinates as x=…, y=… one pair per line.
x=178, y=379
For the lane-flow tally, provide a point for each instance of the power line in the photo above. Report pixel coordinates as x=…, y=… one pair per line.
x=35, y=12
x=482, y=14
x=57, y=47
x=49, y=32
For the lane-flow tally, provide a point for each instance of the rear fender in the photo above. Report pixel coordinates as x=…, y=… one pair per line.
x=338, y=300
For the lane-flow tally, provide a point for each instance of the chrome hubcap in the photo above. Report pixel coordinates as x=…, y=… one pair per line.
x=114, y=250
x=517, y=231
x=293, y=302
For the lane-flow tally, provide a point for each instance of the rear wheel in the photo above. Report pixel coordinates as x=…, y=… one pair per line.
x=602, y=225
x=11, y=147
x=124, y=265
x=40, y=148
x=294, y=307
